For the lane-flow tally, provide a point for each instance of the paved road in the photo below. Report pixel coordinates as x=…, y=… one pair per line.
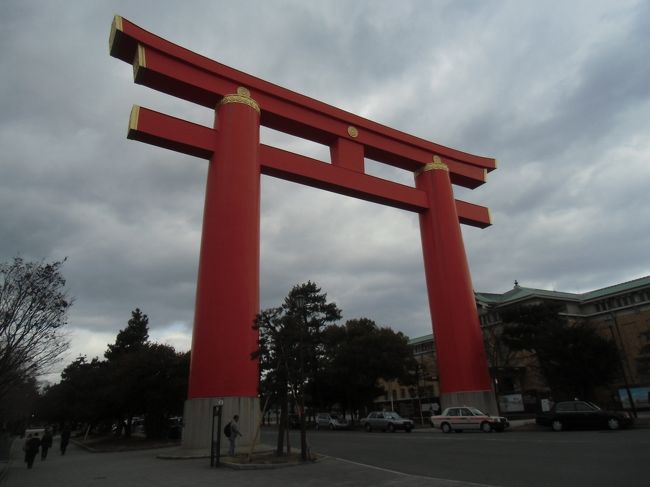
x=511, y=459
x=423, y=458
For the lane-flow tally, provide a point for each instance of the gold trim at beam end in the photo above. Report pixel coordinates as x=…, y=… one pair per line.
x=139, y=62
x=353, y=132
x=240, y=97
x=116, y=26
x=133, y=120
x=490, y=217
x=436, y=165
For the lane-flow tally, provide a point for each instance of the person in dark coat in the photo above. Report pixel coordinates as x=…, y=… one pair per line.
x=31, y=446
x=65, y=438
x=46, y=443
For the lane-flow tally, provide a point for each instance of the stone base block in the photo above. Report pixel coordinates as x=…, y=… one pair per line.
x=197, y=419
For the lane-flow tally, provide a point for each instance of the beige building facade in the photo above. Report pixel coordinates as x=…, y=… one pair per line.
x=620, y=313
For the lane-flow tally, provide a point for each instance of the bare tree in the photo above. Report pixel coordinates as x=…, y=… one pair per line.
x=33, y=310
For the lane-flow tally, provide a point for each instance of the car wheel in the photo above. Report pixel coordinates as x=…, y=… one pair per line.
x=408, y=429
x=557, y=425
x=317, y=427
x=332, y=427
x=486, y=427
x=391, y=427
x=368, y=427
x=445, y=427
x=613, y=424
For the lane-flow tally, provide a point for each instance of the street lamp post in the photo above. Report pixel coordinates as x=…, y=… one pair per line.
x=612, y=319
x=418, y=372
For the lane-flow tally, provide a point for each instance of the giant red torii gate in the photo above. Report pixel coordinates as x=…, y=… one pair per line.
x=228, y=281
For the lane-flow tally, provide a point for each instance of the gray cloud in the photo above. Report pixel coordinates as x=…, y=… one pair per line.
x=557, y=92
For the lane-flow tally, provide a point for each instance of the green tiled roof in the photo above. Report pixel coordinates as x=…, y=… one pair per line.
x=617, y=288
x=519, y=293
x=422, y=339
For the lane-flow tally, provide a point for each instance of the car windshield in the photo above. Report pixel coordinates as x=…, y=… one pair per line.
x=334, y=416
x=392, y=416
x=477, y=412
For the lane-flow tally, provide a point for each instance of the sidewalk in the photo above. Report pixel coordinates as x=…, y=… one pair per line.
x=79, y=468
x=142, y=468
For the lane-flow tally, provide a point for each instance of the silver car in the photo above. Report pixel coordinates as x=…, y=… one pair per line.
x=386, y=421
x=331, y=421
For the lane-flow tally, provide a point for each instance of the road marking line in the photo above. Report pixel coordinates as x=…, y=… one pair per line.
x=396, y=472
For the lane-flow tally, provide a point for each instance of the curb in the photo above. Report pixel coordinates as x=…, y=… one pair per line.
x=4, y=468
x=270, y=466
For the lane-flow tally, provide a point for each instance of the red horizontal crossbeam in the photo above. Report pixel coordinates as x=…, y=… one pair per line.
x=197, y=140
x=169, y=68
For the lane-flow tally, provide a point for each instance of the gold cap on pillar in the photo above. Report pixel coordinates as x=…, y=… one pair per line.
x=242, y=96
x=437, y=164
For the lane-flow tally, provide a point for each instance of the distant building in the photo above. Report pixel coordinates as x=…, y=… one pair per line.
x=620, y=312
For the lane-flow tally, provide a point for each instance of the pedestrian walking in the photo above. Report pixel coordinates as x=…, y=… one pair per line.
x=234, y=432
x=46, y=443
x=31, y=446
x=65, y=438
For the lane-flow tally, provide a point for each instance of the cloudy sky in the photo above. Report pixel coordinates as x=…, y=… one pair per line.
x=557, y=91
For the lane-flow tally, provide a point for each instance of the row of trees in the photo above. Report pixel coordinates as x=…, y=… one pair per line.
x=572, y=357
x=309, y=361
x=136, y=377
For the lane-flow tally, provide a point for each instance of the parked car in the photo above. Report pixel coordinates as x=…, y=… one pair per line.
x=331, y=421
x=582, y=414
x=386, y=421
x=461, y=418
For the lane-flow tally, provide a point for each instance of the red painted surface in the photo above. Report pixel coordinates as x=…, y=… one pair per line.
x=228, y=283
x=462, y=365
x=227, y=297
x=339, y=177
x=185, y=74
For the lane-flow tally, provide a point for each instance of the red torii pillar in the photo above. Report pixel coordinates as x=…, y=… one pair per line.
x=227, y=291
x=228, y=282
x=456, y=327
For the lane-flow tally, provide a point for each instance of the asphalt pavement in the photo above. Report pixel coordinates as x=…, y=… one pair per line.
x=80, y=468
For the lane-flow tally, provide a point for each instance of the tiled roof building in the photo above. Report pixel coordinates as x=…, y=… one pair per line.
x=620, y=313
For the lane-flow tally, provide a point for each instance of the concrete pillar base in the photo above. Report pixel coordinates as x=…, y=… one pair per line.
x=197, y=421
x=483, y=400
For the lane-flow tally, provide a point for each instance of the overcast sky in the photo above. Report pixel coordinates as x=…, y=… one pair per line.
x=557, y=91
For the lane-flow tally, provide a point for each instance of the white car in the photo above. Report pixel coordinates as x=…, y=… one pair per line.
x=461, y=418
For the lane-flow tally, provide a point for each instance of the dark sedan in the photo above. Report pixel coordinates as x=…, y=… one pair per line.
x=582, y=415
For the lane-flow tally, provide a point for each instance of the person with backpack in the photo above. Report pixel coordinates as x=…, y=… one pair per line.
x=31, y=447
x=232, y=431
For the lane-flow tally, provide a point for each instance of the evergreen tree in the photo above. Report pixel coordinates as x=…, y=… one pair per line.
x=359, y=354
x=132, y=338
x=290, y=350
x=573, y=357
